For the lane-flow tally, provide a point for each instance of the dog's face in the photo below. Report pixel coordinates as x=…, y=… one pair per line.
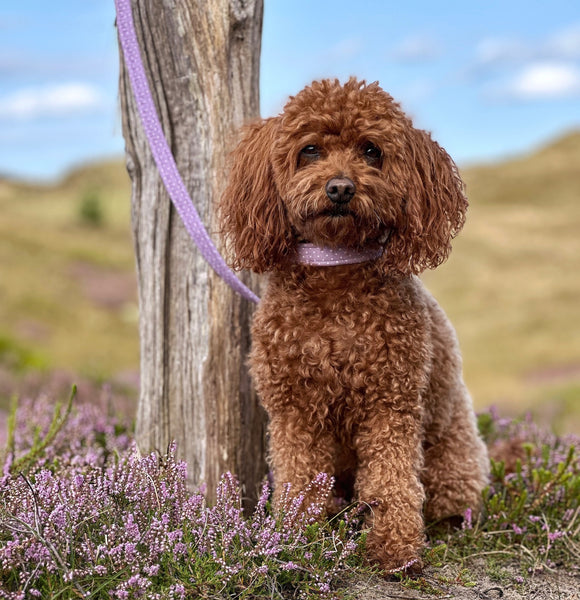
x=341, y=166
x=332, y=163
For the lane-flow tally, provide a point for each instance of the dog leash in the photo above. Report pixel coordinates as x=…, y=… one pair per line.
x=162, y=154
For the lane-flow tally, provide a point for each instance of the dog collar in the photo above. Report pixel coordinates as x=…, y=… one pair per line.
x=322, y=256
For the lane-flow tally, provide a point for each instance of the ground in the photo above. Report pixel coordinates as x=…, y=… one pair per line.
x=554, y=585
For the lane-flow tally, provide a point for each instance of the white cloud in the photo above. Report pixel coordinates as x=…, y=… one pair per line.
x=52, y=100
x=500, y=51
x=495, y=51
x=541, y=81
x=547, y=80
x=513, y=69
x=416, y=48
x=565, y=44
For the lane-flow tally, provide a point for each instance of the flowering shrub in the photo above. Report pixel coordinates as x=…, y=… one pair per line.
x=532, y=506
x=83, y=514
x=90, y=517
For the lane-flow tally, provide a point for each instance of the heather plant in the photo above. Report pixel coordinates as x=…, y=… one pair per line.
x=532, y=506
x=83, y=514
x=42, y=434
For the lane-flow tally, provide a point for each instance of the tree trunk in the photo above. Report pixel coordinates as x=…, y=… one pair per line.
x=202, y=62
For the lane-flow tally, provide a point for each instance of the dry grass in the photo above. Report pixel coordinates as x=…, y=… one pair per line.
x=511, y=287
x=46, y=306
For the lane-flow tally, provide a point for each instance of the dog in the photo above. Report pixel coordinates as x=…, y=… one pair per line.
x=343, y=203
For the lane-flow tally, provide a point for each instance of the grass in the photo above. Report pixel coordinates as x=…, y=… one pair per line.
x=511, y=286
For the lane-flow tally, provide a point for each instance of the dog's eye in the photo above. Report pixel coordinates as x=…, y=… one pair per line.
x=371, y=154
x=310, y=151
x=308, y=154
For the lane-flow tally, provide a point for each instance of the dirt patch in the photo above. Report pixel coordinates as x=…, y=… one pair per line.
x=554, y=585
x=106, y=288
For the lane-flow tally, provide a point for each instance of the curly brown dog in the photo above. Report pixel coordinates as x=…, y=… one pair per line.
x=356, y=364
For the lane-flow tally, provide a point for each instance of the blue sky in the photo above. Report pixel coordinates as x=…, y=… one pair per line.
x=489, y=79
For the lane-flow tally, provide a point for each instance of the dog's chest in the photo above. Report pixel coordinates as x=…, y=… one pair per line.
x=343, y=343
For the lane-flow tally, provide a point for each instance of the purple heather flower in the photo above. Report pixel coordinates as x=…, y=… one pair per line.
x=568, y=515
x=467, y=516
x=261, y=570
x=177, y=591
x=93, y=500
x=556, y=535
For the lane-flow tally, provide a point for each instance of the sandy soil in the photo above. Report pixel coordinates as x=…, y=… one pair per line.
x=555, y=585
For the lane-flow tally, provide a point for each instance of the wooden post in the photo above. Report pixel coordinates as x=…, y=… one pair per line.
x=202, y=62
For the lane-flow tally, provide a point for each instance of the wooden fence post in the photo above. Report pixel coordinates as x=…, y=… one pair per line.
x=202, y=62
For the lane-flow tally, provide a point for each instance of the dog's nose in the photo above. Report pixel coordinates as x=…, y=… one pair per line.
x=340, y=190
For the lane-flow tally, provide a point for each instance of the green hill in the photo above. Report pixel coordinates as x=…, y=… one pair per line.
x=67, y=284
x=511, y=286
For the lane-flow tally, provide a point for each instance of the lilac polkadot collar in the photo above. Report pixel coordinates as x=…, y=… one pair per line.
x=321, y=256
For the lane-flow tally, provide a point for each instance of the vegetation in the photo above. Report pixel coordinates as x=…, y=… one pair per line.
x=82, y=514
x=532, y=506
x=91, y=209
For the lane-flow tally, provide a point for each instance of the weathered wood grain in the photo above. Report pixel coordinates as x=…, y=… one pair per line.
x=202, y=61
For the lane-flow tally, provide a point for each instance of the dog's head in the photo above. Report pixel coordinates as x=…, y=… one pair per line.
x=341, y=166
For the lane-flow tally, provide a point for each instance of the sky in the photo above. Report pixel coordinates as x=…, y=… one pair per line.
x=490, y=79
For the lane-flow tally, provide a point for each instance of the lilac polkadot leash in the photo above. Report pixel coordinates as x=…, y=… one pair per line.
x=162, y=153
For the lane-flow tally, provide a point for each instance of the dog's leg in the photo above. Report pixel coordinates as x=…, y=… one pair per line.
x=389, y=452
x=456, y=463
x=299, y=451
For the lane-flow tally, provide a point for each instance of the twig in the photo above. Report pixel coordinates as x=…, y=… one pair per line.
x=399, y=597
x=577, y=530
x=155, y=490
x=572, y=546
x=32, y=575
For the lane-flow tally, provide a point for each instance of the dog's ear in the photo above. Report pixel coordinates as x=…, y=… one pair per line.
x=251, y=212
x=434, y=206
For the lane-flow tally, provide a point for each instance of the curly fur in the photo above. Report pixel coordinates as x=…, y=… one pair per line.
x=357, y=366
